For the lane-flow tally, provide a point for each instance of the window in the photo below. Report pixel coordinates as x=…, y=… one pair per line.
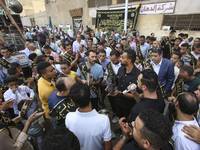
x=182, y=22
x=93, y=21
x=97, y=3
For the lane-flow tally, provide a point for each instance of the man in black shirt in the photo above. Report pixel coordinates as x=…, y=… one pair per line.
x=151, y=131
x=127, y=74
x=147, y=83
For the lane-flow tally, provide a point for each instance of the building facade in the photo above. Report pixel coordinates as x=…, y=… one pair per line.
x=155, y=15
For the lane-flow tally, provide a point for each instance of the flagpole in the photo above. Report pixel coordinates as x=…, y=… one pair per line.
x=125, y=15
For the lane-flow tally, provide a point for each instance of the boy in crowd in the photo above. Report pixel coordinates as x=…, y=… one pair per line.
x=16, y=92
x=65, y=67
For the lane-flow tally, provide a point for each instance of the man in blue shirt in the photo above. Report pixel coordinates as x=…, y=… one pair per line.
x=97, y=72
x=143, y=46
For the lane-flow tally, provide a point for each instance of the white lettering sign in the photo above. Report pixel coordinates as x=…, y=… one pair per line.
x=159, y=8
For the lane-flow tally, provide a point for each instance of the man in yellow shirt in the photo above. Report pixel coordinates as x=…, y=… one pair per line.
x=65, y=67
x=46, y=85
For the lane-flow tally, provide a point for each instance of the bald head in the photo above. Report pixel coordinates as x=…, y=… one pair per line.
x=31, y=46
x=156, y=44
x=64, y=84
x=187, y=103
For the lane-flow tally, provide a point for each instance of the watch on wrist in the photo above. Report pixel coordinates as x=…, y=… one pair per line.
x=124, y=138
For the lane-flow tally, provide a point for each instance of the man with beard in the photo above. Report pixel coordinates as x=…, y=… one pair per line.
x=127, y=74
x=94, y=70
x=147, y=83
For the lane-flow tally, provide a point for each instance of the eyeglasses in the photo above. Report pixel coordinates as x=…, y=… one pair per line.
x=110, y=39
x=116, y=47
x=94, y=47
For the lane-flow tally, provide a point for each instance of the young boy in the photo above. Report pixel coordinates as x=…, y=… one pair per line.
x=16, y=92
x=185, y=56
x=65, y=67
x=35, y=131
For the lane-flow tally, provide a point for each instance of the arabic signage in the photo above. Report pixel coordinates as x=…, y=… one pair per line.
x=159, y=8
x=115, y=18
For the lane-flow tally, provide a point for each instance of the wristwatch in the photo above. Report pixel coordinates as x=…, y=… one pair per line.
x=123, y=137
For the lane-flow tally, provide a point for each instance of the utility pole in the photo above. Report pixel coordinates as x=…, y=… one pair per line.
x=125, y=15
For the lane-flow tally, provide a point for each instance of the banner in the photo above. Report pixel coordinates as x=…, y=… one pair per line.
x=115, y=18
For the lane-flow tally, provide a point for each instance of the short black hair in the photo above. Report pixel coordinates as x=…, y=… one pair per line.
x=10, y=78
x=32, y=56
x=150, y=80
x=41, y=67
x=152, y=39
x=157, y=128
x=90, y=51
x=41, y=58
x=187, y=69
x=148, y=37
x=131, y=55
x=99, y=43
x=115, y=52
x=181, y=34
x=61, y=138
x=103, y=42
x=46, y=47
x=186, y=35
x=12, y=70
x=157, y=50
x=51, y=58
x=185, y=45
x=91, y=39
x=124, y=39
x=121, y=46
x=178, y=39
x=15, y=64
x=80, y=94
x=178, y=54
x=63, y=45
x=60, y=84
x=65, y=62
x=102, y=51
x=142, y=36
x=68, y=44
x=188, y=103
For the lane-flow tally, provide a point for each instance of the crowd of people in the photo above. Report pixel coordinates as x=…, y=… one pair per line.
x=152, y=86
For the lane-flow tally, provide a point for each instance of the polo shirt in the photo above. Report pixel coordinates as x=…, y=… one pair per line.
x=123, y=80
x=45, y=88
x=146, y=104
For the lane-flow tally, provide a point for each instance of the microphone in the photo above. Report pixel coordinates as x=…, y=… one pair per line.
x=134, y=86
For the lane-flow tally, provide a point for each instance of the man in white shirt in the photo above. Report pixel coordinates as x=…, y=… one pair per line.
x=92, y=129
x=32, y=48
x=107, y=49
x=111, y=70
x=186, y=104
x=77, y=43
x=196, y=52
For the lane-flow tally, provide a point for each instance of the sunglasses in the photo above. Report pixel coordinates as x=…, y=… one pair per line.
x=116, y=47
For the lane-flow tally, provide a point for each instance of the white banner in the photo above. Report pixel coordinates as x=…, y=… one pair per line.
x=159, y=8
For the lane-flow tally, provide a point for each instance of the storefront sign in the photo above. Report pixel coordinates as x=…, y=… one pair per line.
x=159, y=8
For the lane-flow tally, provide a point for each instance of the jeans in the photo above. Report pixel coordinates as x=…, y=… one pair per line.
x=38, y=139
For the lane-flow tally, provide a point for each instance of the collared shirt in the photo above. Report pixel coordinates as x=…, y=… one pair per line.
x=115, y=68
x=144, y=49
x=45, y=88
x=123, y=80
x=22, y=95
x=108, y=50
x=181, y=142
x=76, y=45
x=157, y=67
x=55, y=56
x=27, y=51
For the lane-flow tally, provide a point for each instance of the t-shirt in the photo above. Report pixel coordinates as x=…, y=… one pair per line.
x=191, y=86
x=72, y=75
x=54, y=99
x=146, y=104
x=91, y=128
x=131, y=145
x=186, y=59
